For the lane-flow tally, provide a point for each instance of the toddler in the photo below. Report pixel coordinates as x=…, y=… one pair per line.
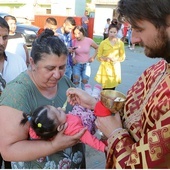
x=47, y=121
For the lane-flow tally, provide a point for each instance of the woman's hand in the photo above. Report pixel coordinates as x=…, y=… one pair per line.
x=74, y=61
x=108, y=124
x=79, y=96
x=63, y=141
x=103, y=59
x=91, y=59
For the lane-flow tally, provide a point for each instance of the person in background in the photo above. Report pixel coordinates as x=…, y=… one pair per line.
x=110, y=53
x=43, y=83
x=139, y=139
x=130, y=45
x=16, y=42
x=129, y=33
x=82, y=58
x=50, y=23
x=120, y=33
x=85, y=21
x=65, y=34
x=105, y=34
x=11, y=65
x=126, y=25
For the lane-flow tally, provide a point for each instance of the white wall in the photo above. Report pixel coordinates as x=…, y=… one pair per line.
x=68, y=7
x=102, y=12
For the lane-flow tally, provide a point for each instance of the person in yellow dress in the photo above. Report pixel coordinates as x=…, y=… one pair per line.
x=110, y=53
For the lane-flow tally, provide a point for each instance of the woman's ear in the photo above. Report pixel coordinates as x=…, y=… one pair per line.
x=32, y=64
x=60, y=127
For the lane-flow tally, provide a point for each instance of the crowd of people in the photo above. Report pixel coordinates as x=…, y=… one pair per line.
x=35, y=132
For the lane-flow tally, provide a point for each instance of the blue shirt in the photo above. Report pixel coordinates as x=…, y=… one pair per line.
x=67, y=39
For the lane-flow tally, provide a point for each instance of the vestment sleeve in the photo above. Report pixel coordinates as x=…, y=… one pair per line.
x=151, y=150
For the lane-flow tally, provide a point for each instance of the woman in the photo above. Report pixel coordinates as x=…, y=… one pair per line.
x=44, y=83
x=110, y=53
x=82, y=58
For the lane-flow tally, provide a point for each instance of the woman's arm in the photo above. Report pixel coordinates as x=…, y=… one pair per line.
x=79, y=96
x=14, y=142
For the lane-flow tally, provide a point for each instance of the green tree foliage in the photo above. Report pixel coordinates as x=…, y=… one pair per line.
x=88, y=1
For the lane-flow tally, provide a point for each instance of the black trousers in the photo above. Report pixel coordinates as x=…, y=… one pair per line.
x=7, y=165
x=105, y=36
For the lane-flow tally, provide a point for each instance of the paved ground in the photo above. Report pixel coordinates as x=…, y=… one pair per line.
x=135, y=63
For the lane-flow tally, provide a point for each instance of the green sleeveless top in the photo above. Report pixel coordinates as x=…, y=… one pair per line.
x=22, y=94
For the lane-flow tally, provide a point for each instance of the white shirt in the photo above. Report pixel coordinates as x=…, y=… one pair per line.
x=15, y=45
x=13, y=66
x=106, y=28
x=120, y=32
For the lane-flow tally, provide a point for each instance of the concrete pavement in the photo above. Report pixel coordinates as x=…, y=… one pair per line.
x=135, y=63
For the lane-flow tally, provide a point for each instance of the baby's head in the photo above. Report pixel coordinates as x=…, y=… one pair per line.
x=46, y=121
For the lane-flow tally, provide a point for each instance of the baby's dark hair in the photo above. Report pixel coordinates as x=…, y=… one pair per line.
x=41, y=123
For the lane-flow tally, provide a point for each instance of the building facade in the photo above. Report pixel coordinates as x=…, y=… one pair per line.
x=103, y=9
x=29, y=8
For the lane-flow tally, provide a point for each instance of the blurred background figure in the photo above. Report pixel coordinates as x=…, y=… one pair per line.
x=50, y=23
x=129, y=35
x=82, y=58
x=65, y=34
x=16, y=42
x=85, y=21
x=120, y=26
x=125, y=30
x=11, y=65
x=105, y=34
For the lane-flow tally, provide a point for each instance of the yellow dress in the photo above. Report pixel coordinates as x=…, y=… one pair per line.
x=109, y=73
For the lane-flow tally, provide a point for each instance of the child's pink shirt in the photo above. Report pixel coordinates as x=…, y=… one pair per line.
x=75, y=125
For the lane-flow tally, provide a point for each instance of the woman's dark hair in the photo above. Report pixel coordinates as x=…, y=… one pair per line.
x=40, y=122
x=113, y=26
x=154, y=11
x=80, y=28
x=49, y=44
x=116, y=23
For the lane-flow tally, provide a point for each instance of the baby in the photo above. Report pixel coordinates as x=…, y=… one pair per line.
x=47, y=121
